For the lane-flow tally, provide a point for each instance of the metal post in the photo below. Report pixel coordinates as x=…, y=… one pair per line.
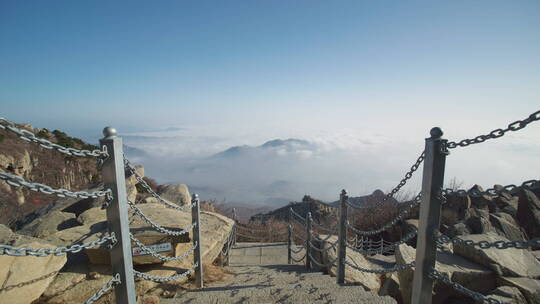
x=114, y=178
x=289, y=244
x=430, y=211
x=197, y=256
x=234, y=227
x=308, y=240
x=342, y=238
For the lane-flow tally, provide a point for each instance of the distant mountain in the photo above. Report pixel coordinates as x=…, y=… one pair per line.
x=134, y=152
x=368, y=200
x=279, y=146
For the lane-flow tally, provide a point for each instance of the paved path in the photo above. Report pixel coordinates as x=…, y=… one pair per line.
x=262, y=276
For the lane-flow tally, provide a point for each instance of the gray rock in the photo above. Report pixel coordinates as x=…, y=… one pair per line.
x=478, y=221
x=510, y=261
x=507, y=294
x=528, y=213
x=467, y=273
x=49, y=224
x=529, y=288
x=457, y=229
x=506, y=226
x=455, y=209
x=176, y=193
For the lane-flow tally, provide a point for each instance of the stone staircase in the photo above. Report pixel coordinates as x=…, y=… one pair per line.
x=262, y=275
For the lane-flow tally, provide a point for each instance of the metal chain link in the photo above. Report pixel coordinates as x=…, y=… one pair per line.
x=519, y=244
x=43, y=252
x=104, y=289
x=17, y=181
x=22, y=284
x=297, y=251
x=159, y=279
x=415, y=202
x=298, y=260
x=153, y=253
x=515, y=126
x=402, y=183
x=434, y=274
x=145, y=185
x=158, y=227
x=31, y=137
x=493, y=192
x=381, y=271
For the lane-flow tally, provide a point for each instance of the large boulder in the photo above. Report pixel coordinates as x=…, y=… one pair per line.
x=530, y=288
x=511, y=262
x=507, y=294
x=176, y=193
x=455, y=209
x=528, y=213
x=369, y=281
x=80, y=281
x=167, y=218
x=469, y=274
x=24, y=278
x=49, y=224
x=483, y=202
x=506, y=226
x=478, y=221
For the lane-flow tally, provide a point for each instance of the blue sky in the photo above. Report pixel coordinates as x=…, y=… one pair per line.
x=243, y=72
x=180, y=62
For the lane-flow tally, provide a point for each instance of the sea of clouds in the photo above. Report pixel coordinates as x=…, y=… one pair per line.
x=317, y=162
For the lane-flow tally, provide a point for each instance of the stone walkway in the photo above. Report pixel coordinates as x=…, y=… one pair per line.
x=262, y=275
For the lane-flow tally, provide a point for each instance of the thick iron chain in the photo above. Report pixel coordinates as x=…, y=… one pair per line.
x=31, y=137
x=22, y=284
x=299, y=217
x=156, y=255
x=519, y=244
x=158, y=227
x=402, y=183
x=529, y=185
x=43, y=252
x=147, y=187
x=104, y=289
x=434, y=274
x=515, y=126
x=381, y=271
x=410, y=205
x=159, y=279
x=17, y=181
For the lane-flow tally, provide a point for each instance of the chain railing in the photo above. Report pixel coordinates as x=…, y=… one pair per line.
x=63, y=250
x=515, y=126
x=31, y=137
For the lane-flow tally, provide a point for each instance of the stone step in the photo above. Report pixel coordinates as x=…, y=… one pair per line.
x=290, y=294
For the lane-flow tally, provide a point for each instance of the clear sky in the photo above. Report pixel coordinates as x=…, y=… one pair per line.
x=243, y=72
x=178, y=62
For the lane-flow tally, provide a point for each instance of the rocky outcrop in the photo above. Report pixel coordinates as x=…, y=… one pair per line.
x=510, y=261
x=79, y=281
x=469, y=274
x=528, y=213
x=50, y=224
x=24, y=279
x=175, y=193
x=369, y=281
x=529, y=288
x=507, y=294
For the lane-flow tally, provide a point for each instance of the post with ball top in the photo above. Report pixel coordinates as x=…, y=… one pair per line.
x=114, y=178
x=429, y=219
